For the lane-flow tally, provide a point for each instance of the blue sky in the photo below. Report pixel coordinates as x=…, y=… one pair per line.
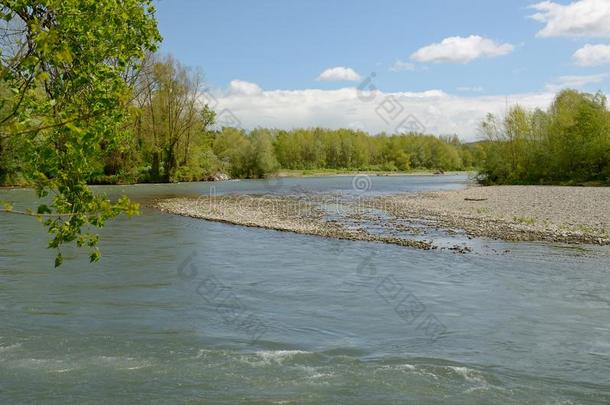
x=497, y=50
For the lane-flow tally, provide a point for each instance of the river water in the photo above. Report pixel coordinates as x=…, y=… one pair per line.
x=188, y=311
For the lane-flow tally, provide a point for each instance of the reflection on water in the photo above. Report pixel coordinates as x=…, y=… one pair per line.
x=532, y=324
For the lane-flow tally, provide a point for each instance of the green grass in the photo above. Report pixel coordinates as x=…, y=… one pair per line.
x=525, y=220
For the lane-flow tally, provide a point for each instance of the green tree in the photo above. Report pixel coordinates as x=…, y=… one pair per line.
x=169, y=115
x=64, y=62
x=569, y=143
x=232, y=147
x=263, y=156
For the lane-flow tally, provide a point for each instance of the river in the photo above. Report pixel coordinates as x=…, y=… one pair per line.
x=188, y=311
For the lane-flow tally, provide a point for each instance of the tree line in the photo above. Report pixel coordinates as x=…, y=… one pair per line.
x=169, y=135
x=262, y=152
x=567, y=144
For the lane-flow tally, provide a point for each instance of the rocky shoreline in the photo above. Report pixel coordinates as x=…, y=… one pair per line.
x=514, y=213
x=299, y=214
x=527, y=213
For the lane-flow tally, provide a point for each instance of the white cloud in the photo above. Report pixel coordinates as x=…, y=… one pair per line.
x=576, y=81
x=461, y=50
x=339, y=73
x=400, y=66
x=583, y=18
x=592, y=55
x=243, y=87
x=438, y=111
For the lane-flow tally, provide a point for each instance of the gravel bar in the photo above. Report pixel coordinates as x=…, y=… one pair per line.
x=514, y=213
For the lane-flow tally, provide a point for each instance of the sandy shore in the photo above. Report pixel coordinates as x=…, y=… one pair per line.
x=516, y=213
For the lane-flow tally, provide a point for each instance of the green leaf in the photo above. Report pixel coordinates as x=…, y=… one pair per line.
x=59, y=259
x=43, y=209
x=94, y=256
x=69, y=93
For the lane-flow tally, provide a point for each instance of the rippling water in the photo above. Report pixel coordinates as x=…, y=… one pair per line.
x=182, y=310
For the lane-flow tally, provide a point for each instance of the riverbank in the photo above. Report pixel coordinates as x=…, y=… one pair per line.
x=514, y=213
x=220, y=176
x=339, y=172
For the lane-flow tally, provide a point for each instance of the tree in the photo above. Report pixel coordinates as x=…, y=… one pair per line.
x=169, y=114
x=233, y=149
x=64, y=62
x=570, y=143
x=263, y=159
x=207, y=120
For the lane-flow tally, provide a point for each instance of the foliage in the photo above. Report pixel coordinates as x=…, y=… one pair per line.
x=167, y=118
x=262, y=152
x=568, y=144
x=63, y=82
x=349, y=149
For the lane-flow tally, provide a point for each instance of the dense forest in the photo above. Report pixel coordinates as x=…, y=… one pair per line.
x=567, y=144
x=200, y=154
